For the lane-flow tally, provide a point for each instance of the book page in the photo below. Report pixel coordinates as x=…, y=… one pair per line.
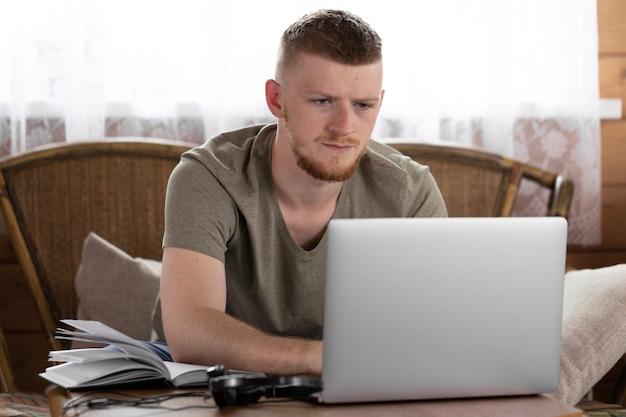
x=101, y=331
x=99, y=373
x=95, y=331
x=185, y=374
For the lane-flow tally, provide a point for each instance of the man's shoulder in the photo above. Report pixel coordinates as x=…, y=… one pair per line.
x=238, y=139
x=382, y=155
x=381, y=148
x=388, y=167
x=391, y=184
x=230, y=149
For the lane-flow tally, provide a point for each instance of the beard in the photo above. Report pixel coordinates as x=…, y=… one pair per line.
x=319, y=171
x=330, y=172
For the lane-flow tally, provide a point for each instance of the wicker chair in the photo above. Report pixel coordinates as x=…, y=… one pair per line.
x=477, y=183
x=53, y=196
x=7, y=383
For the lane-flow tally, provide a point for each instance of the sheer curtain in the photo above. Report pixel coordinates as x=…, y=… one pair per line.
x=517, y=77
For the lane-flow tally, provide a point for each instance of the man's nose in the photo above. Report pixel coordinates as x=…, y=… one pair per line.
x=342, y=123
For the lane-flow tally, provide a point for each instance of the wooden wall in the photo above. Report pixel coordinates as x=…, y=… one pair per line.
x=27, y=343
x=612, y=78
x=612, y=74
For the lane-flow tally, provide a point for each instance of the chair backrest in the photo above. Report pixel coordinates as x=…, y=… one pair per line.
x=478, y=183
x=53, y=196
x=7, y=381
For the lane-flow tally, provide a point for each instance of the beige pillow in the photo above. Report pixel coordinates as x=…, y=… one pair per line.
x=594, y=329
x=117, y=289
x=157, y=322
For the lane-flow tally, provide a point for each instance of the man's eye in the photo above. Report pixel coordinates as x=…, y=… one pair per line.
x=322, y=101
x=363, y=105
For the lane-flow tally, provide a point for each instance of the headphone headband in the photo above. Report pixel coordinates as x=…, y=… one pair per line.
x=243, y=389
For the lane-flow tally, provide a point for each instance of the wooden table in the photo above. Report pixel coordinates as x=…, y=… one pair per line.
x=203, y=405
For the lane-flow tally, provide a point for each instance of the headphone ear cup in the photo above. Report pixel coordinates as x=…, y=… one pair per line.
x=225, y=397
x=231, y=390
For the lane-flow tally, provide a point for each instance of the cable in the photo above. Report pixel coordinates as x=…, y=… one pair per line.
x=87, y=401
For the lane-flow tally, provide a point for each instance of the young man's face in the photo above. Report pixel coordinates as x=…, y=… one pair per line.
x=328, y=113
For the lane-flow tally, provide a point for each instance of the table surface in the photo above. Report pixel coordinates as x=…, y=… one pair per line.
x=203, y=405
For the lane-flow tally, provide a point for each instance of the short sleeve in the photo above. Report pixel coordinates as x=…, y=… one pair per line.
x=199, y=213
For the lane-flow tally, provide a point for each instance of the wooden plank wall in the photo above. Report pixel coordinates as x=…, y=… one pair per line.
x=25, y=338
x=27, y=343
x=612, y=79
x=612, y=74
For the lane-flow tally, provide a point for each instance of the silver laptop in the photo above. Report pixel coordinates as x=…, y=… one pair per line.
x=434, y=308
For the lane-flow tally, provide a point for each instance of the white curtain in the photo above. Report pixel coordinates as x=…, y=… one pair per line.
x=517, y=77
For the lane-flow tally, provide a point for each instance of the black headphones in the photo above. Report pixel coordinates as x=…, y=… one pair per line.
x=238, y=389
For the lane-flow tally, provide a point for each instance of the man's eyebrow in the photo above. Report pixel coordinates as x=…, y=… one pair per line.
x=332, y=97
x=367, y=99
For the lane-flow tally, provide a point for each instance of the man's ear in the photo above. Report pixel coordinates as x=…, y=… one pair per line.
x=272, y=97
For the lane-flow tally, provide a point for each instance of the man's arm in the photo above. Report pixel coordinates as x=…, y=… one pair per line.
x=197, y=329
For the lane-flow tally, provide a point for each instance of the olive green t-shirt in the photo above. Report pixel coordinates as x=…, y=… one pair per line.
x=221, y=202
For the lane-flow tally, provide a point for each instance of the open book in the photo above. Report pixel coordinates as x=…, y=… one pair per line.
x=129, y=361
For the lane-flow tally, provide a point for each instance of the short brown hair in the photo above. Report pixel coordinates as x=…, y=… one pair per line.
x=334, y=34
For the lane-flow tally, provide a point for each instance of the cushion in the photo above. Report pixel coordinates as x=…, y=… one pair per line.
x=157, y=322
x=594, y=329
x=117, y=289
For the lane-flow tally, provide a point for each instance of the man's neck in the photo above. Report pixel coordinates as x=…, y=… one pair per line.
x=306, y=203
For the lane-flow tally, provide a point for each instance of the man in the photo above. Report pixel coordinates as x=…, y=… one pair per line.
x=244, y=247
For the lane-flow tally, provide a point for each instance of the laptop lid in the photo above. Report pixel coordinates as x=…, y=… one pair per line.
x=427, y=308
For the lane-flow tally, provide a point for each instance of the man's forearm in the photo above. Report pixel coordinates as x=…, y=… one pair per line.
x=211, y=337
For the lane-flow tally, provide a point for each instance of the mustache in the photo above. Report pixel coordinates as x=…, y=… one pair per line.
x=336, y=140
